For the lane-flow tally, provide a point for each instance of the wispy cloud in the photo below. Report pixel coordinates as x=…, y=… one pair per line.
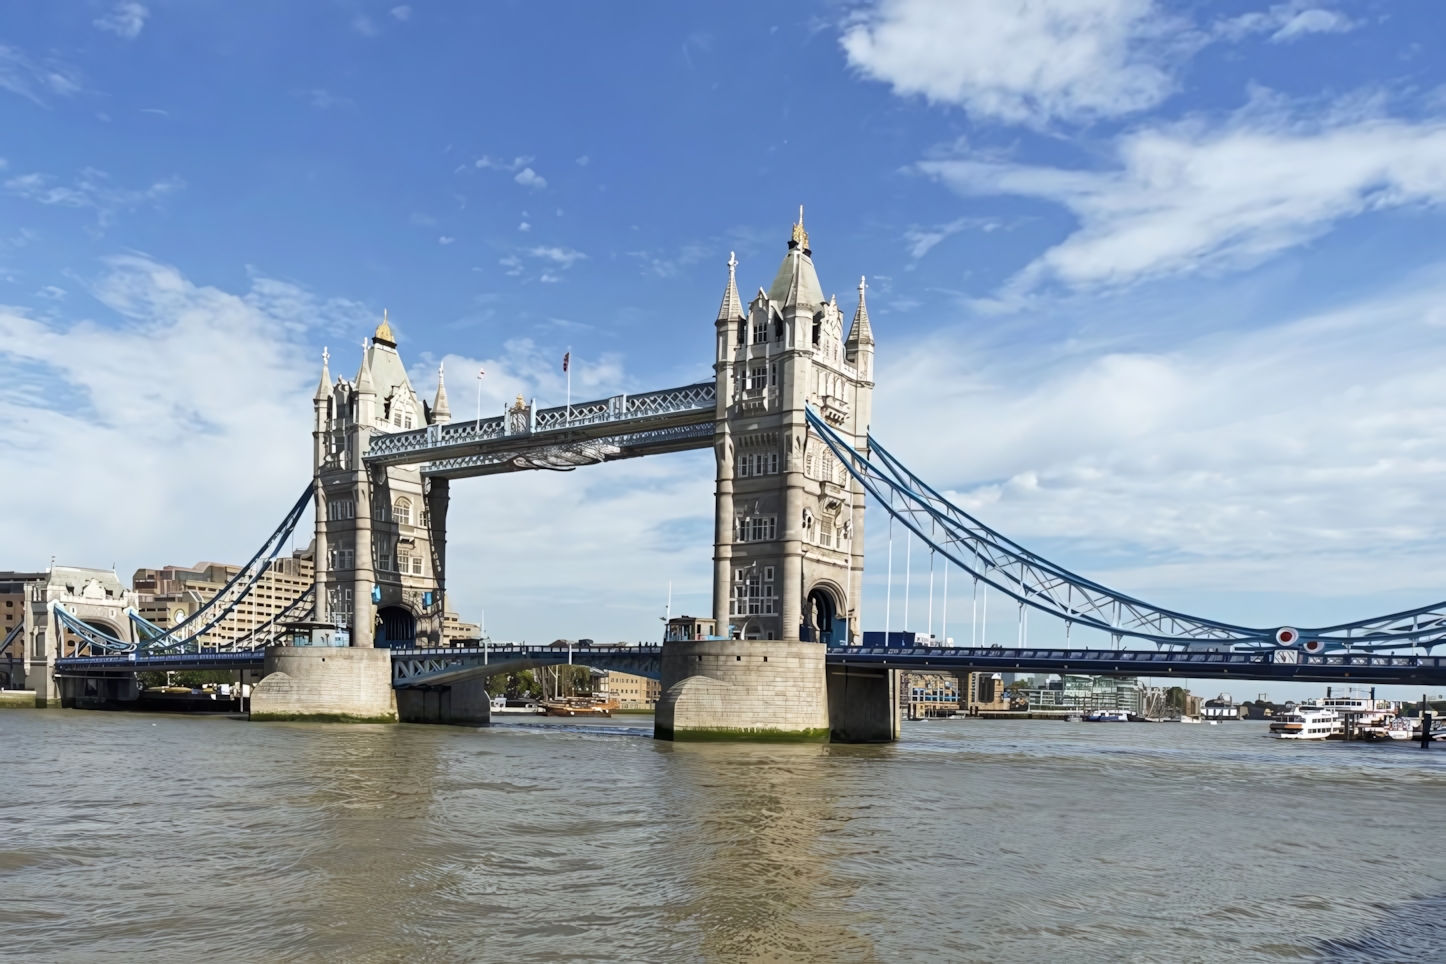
x=323, y=99
x=364, y=25
x=666, y=265
x=92, y=191
x=1202, y=194
x=125, y=20
x=1287, y=21
x=402, y=12
x=23, y=76
x=923, y=240
x=565, y=257
x=517, y=163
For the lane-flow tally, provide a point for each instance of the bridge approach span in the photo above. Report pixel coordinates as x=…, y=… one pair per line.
x=1278, y=665
x=446, y=667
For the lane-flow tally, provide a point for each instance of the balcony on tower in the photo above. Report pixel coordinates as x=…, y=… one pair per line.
x=835, y=410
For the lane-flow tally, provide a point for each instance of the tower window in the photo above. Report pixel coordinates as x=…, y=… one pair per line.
x=402, y=511
x=760, y=333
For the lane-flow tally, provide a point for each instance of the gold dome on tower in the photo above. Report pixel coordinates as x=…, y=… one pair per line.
x=384, y=332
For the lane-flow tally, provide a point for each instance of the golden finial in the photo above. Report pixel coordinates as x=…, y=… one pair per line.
x=384, y=331
x=799, y=234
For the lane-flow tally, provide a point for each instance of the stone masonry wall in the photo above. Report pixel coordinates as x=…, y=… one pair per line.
x=326, y=683
x=743, y=689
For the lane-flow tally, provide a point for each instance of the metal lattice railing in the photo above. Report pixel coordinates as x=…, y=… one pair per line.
x=532, y=426
x=1047, y=587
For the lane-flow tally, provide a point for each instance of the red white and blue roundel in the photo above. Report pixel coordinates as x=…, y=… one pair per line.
x=1286, y=636
x=1313, y=646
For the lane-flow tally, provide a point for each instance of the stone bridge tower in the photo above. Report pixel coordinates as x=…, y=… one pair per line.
x=788, y=558
x=788, y=539
x=380, y=532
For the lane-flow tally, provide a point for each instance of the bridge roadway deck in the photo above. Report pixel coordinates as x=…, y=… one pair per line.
x=429, y=667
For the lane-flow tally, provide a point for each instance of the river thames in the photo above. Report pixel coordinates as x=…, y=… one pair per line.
x=151, y=838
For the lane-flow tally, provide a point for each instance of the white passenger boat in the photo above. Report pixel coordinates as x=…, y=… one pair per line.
x=1308, y=721
x=1108, y=716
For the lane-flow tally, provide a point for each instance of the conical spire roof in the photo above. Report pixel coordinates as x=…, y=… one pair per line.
x=732, y=307
x=796, y=282
x=364, y=381
x=441, y=412
x=862, y=333
x=323, y=389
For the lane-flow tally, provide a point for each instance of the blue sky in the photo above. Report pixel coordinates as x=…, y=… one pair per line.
x=1158, y=287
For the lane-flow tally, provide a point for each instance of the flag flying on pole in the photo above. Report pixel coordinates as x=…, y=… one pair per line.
x=566, y=359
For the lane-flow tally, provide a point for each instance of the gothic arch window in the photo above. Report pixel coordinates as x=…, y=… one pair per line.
x=402, y=511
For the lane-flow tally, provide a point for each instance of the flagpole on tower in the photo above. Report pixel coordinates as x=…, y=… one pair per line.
x=480, y=373
x=567, y=370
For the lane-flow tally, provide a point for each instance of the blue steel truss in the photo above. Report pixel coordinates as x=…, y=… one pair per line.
x=444, y=667
x=562, y=437
x=1047, y=587
x=189, y=634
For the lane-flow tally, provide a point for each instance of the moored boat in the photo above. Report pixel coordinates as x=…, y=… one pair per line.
x=1308, y=721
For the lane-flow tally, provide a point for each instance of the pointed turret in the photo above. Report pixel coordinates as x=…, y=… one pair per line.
x=323, y=390
x=441, y=413
x=862, y=333
x=732, y=308
x=364, y=381
x=796, y=284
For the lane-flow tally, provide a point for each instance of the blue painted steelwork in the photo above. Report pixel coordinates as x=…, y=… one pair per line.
x=558, y=438
x=1280, y=665
x=188, y=634
x=433, y=667
x=1047, y=587
x=143, y=662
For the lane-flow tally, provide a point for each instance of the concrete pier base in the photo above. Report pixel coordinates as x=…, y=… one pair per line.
x=863, y=705
x=458, y=704
x=736, y=689
x=326, y=684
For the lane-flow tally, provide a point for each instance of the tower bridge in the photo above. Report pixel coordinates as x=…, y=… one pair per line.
x=787, y=415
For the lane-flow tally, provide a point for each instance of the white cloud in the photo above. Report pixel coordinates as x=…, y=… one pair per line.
x=529, y=178
x=524, y=226
x=499, y=165
x=364, y=25
x=444, y=239
x=558, y=255
x=1287, y=21
x=1022, y=61
x=125, y=19
x=582, y=161
x=1305, y=457
x=1199, y=195
x=51, y=293
x=122, y=438
x=23, y=76
x=922, y=240
x=402, y=12
x=92, y=190
x=325, y=100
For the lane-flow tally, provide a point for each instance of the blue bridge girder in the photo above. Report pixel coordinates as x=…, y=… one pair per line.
x=445, y=667
x=441, y=667
x=561, y=437
x=1283, y=665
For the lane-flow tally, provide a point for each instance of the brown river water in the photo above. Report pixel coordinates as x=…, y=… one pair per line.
x=150, y=838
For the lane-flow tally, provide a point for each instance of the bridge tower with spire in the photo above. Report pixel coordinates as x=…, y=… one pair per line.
x=789, y=534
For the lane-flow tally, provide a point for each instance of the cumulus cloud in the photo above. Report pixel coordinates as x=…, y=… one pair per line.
x=125, y=19
x=529, y=178
x=1021, y=62
x=21, y=75
x=1197, y=195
